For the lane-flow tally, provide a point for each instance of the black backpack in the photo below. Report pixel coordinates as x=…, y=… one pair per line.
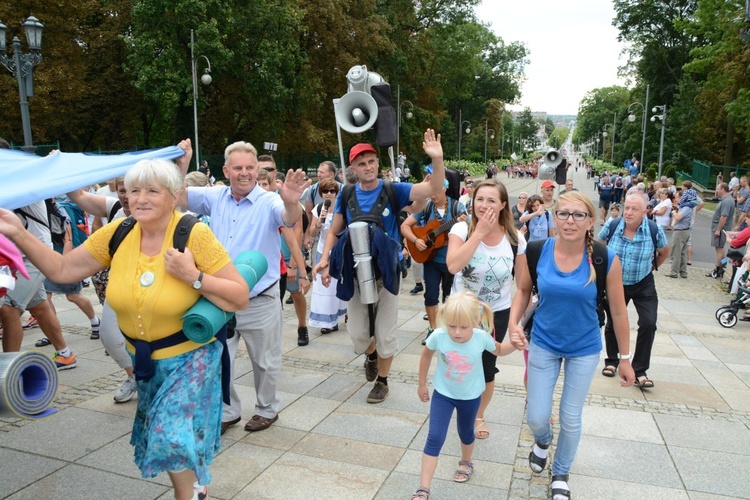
x=654, y=236
x=600, y=261
x=179, y=239
x=374, y=216
x=55, y=221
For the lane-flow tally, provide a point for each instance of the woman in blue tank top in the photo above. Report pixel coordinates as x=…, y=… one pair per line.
x=566, y=330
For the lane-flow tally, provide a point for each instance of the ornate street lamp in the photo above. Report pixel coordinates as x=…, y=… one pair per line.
x=409, y=115
x=22, y=67
x=491, y=133
x=631, y=119
x=460, y=134
x=205, y=80
x=663, y=118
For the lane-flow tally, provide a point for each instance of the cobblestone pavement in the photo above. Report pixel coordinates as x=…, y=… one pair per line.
x=677, y=440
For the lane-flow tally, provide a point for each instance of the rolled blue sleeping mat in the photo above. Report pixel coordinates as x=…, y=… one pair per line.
x=28, y=384
x=202, y=321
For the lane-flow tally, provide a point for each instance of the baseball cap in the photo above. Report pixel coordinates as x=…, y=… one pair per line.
x=547, y=184
x=360, y=148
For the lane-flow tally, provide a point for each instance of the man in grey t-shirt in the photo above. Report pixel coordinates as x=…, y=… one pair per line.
x=723, y=215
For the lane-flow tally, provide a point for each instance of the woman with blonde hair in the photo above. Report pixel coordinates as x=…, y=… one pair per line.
x=483, y=256
x=566, y=331
x=458, y=382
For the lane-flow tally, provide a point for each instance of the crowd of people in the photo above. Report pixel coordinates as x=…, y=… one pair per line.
x=465, y=241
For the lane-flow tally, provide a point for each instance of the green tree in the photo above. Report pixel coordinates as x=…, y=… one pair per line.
x=527, y=127
x=549, y=127
x=722, y=86
x=82, y=97
x=557, y=137
x=597, y=109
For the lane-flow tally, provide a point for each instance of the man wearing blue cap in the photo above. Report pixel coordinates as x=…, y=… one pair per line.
x=380, y=345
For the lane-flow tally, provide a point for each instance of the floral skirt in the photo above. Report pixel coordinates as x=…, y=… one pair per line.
x=178, y=421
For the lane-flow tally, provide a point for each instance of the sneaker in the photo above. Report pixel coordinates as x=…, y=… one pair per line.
x=371, y=369
x=63, y=363
x=418, y=288
x=289, y=300
x=30, y=323
x=378, y=393
x=302, y=337
x=429, y=332
x=95, y=330
x=127, y=389
x=86, y=283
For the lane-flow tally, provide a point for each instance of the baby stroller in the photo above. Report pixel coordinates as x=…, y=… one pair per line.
x=727, y=315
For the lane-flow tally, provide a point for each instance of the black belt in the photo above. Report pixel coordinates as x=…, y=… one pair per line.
x=267, y=289
x=686, y=229
x=144, y=368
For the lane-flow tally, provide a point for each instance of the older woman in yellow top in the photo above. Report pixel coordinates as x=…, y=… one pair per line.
x=178, y=420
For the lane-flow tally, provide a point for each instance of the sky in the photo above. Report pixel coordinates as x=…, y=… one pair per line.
x=572, y=47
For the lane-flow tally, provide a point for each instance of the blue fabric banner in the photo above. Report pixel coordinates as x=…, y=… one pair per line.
x=28, y=178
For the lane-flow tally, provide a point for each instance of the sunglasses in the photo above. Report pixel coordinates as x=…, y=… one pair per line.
x=523, y=197
x=269, y=169
x=327, y=191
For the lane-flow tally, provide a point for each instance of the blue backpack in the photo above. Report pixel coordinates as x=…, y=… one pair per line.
x=79, y=227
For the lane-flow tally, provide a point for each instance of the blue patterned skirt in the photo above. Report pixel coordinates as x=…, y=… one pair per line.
x=178, y=421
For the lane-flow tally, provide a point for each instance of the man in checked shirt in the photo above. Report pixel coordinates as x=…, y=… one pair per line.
x=633, y=242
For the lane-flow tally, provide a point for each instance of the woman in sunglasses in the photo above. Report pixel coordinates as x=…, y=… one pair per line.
x=566, y=330
x=325, y=307
x=518, y=209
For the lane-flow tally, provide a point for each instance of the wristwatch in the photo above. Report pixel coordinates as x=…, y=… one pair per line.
x=197, y=284
x=624, y=356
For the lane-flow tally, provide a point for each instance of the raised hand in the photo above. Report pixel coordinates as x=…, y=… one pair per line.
x=294, y=185
x=431, y=144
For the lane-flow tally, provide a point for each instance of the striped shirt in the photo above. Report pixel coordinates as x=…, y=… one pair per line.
x=636, y=255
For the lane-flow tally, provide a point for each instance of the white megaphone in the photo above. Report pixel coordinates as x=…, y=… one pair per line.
x=552, y=159
x=361, y=79
x=356, y=112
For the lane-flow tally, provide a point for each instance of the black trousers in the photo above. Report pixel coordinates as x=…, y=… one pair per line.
x=643, y=295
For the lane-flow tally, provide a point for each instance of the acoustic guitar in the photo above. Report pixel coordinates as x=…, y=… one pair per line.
x=434, y=235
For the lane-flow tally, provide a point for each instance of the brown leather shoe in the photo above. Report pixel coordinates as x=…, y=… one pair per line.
x=258, y=423
x=227, y=425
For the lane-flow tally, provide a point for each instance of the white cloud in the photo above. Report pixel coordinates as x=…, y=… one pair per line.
x=572, y=43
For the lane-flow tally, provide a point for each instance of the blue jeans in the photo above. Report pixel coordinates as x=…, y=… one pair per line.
x=435, y=275
x=544, y=369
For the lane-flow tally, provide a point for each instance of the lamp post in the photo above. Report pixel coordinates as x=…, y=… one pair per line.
x=22, y=67
x=409, y=115
x=596, y=156
x=205, y=80
x=631, y=119
x=663, y=118
x=460, y=134
x=492, y=136
x=605, y=134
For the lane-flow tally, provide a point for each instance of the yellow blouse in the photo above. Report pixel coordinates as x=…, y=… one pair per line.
x=153, y=312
